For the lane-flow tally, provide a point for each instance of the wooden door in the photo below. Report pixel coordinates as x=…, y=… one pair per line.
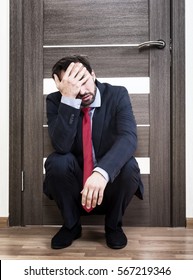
x=109, y=34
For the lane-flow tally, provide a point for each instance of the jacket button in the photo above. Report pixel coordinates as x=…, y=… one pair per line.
x=71, y=119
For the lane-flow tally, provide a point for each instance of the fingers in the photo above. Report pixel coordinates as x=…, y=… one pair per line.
x=87, y=197
x=84, y=196
x=75, y=71
x=93, y=191
x=69, y=69
x=78, y=71
x=85, y=78
x=92, y=197
x=70, y=81
x=100, y=197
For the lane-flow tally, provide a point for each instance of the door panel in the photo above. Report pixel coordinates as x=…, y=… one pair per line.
x=95, y=22
x=71, y=27
x=32, y=113
x=119, y=61
x=160, y=138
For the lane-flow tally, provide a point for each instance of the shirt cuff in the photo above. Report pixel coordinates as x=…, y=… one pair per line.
x=102, y=172
x=75, y=103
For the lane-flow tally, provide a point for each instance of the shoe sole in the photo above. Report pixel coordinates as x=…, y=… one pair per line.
x=116, y=247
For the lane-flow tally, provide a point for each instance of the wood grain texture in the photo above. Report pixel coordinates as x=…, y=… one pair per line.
x=16, y=110
x=144, y=243
x=33, y=112
x=143, y=134
x=141, y=109
x=189, y=223
x=106, y=61
x=115, y=22
x=178, y=113
x=160, y=140
x=4, y=222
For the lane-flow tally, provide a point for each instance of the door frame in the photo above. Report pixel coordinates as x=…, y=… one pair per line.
x=17, y=85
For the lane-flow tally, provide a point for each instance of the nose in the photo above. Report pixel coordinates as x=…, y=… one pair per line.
x=82, y=90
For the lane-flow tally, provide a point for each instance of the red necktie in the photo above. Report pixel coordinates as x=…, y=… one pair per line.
x=87, y=147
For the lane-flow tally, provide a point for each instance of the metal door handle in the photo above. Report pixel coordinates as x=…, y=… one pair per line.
x=159, y=44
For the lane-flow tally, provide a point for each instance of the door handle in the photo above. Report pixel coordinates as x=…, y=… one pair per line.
x=159, y=44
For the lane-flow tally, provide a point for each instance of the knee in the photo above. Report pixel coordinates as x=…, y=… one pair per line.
x=59, y=164
x=129, y=179
x=132, y=165
x=131, y=171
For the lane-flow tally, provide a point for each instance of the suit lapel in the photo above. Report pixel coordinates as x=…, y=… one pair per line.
x=98, y=120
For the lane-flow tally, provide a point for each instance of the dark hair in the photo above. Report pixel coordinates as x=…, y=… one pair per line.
x=64, y=62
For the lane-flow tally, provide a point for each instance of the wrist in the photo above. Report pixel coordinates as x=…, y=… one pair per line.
x=73, y=102
x=101, y=174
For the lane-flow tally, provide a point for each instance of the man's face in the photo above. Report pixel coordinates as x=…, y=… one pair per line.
x=87, y=91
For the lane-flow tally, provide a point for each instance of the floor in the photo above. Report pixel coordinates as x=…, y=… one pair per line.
x=32, y=242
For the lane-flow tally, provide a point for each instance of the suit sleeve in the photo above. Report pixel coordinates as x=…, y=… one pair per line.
x=125, y=140
x=62, y=124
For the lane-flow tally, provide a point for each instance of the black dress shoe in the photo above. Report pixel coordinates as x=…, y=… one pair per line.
x=64, y=237
x=115, y=239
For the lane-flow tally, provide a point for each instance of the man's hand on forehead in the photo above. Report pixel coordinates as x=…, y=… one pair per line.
x=72, y=79
x=75, y=69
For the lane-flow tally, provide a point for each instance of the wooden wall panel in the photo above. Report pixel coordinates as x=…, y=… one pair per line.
x=160, y=139
x=16, y=109
x=96, y=23
x=140, y=104
x=106, y=61
x=32, y=112
x=178, y=115
x=143, y=141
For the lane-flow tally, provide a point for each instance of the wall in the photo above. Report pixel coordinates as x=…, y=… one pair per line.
x=189, y=111
x=4, y=113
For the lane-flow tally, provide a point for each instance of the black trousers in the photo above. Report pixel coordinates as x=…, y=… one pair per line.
x=63, y=183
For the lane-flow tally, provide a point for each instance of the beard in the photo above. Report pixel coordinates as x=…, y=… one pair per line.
x=87, y=98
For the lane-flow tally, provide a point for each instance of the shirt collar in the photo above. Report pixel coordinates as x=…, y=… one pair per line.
x=97, y=102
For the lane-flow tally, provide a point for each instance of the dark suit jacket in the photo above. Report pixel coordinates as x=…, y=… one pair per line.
x=113, y=129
